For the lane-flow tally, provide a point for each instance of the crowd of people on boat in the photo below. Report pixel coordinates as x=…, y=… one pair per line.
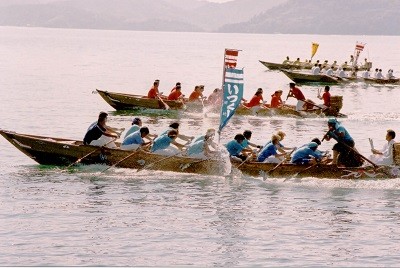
x=138, y=137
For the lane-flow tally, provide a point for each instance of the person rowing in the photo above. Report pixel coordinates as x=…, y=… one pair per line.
x=176, y=84
x=135, y=140
x=200, y=147
x=215, y=97
x=298, y=95
x=197, y=94
x=256, y=102
x=235, y=147
x=307, y=155
x=269, y=153
x=276, y=99
x=176, y=93
x=162, y=144
x=175, y=126
x=344, y=152
x=99, y=134
x=153, y=92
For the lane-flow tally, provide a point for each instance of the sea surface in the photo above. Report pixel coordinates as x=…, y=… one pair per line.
x=124, y=218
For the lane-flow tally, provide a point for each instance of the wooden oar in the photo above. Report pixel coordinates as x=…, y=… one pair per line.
x=278, y=165
x=322, y=108
x=158, y=161
x=92, y=152
x=166, y=107
x=360, y=155
x=122, y=160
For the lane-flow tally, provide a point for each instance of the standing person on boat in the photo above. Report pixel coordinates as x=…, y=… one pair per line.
x=326, y=97
x=176, y=94
x=296, y=93
x=351, y=60
x=161, y=144
x=341, y=153
x=276, y=99
x=100, y=134
x=135, y=140
x=385, y=155
x=200, y=147
x=175, y=126
x=307, y=154
x=235, y=147
x=256, y=100
x=269, y=153
x=153, y=92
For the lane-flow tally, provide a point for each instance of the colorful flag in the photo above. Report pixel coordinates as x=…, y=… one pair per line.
x=360, y=46
x=233, y=94
x=231, y=56
x=314, y=48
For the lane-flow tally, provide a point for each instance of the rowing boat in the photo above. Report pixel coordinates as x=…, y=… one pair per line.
x=302, y=66
x=63, y=152
x=288, y=170
x=122, y=101
x=392, y=81
x=303, y=77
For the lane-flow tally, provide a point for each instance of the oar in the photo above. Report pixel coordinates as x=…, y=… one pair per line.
x=122, y=160
x=92, y=152
x=278, y=165
x=165, y=158
x=322, y=108
x=166, y=107
x=360, y=155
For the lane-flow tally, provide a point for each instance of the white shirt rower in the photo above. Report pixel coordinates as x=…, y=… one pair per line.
x=316, y=70
x=365, y=74
x=329, y=72
x=379, y=75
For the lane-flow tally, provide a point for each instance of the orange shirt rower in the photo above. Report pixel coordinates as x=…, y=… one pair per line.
x=175, y=94
x=276, y=101
x=197, y=93
x=256, y=99
x=153, y=92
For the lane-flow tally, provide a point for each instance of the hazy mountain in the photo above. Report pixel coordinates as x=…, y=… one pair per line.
x=248, y=16
x=161, y=15
x=326, y=17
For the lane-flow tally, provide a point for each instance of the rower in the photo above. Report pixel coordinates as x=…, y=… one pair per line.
x=177, y=84
x=307, y=155
x=379, y=74
x=99, y=134
x=215, y=97
x=176, y=93
x=276, y=100
x=329, y=71
x=317, y=69
x=197, y=93
x=365, y=74
x=246, y=144
x=269, y=153
x=385, y=155
x=200, y=147
x=153, y=92
x=342, y=154
x=162, y=144
x=287, y=61
x=175, y=126
x=235, y=147
x=390, y=74
x=257, y=101
x=135, y=140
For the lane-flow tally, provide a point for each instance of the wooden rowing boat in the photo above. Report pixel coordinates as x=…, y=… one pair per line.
x=279, y=66
x=392, y=81
x=122, y=101
x=63, y=152
x=288, y=170
x=303, y=77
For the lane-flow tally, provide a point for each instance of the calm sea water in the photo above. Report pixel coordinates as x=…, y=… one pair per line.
x=121, y=217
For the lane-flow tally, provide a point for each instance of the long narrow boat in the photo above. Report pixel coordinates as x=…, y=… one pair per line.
x=266, y=170
x=392, y=81
x=122, y=101
x=278, y=66
x=63, y=152
x=303, y=77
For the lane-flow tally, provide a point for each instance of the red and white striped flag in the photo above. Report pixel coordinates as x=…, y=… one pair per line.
x=231, y=56
x=360, y=46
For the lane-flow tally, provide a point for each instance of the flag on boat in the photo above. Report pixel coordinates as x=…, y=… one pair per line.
x=314, y=48
x=360, y=46
x=230, y=58
x=233, y=94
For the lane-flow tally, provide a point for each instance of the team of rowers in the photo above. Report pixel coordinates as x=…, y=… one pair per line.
x=340, y=71
x=240, y=147
x=255, y=103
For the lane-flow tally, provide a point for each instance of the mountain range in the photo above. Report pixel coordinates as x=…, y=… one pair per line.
x=358, y=17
